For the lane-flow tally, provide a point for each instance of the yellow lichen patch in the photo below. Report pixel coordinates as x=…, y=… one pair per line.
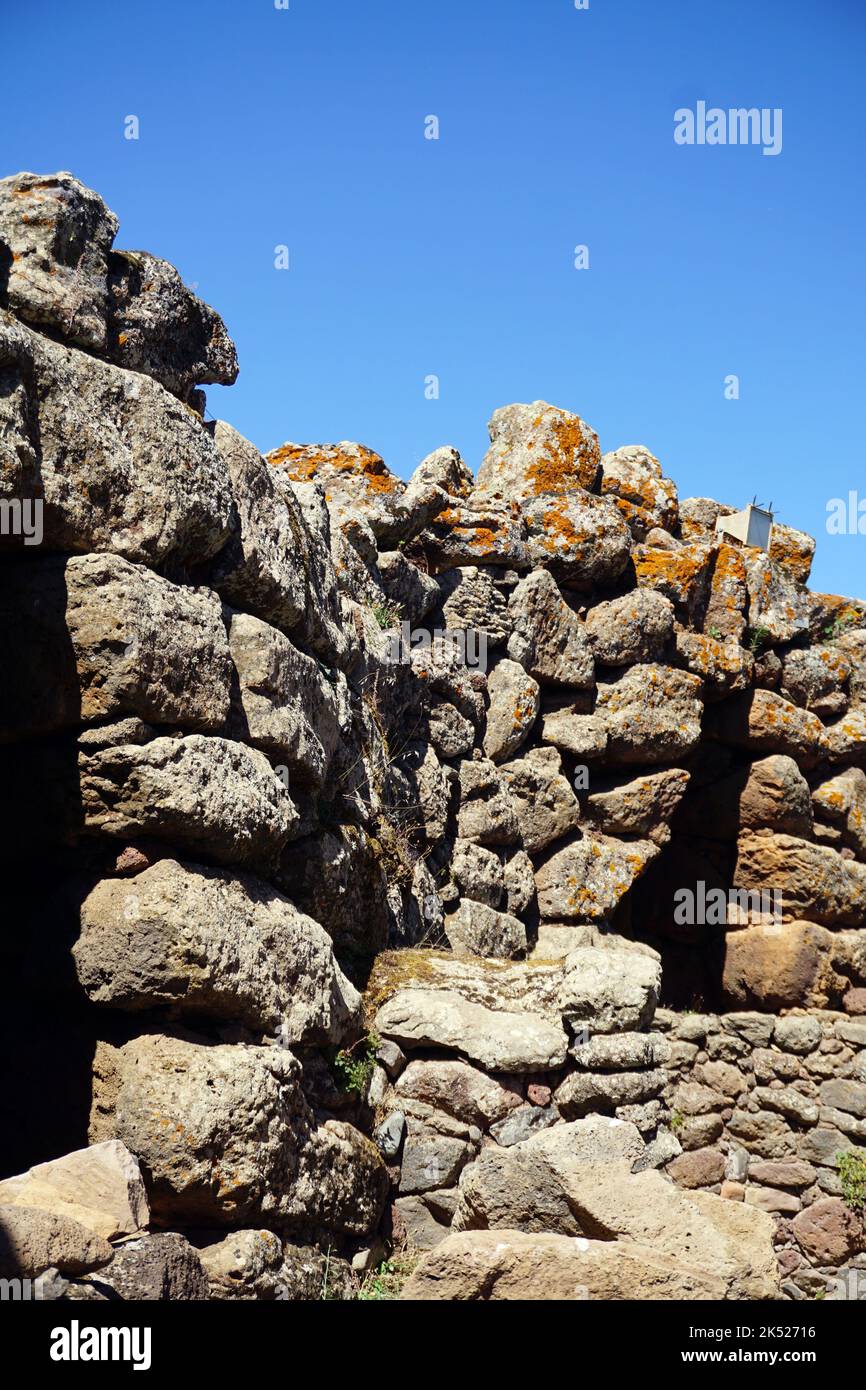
x=560, y=533
x=393, y=970
x=568, y=458
x=305, y=462
x=674, y=573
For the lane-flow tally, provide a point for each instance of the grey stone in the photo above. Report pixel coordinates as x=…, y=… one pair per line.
x=202, y=941
x=388, y=1136
x=478, y=930
x=523, y=1123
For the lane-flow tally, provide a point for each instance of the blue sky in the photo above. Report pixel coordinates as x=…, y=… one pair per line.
x=411, y=257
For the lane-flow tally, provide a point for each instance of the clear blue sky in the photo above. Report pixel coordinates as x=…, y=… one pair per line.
x=410, y=257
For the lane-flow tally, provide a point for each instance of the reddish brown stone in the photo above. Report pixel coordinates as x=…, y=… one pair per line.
x=700, y=1168
x=538, y=1095
x=828, y=1231
x=132, y=860
x=855, y=1001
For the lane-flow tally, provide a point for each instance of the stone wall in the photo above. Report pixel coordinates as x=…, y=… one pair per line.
x=368, y=840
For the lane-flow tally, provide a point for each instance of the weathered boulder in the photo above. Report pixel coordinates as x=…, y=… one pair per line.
x=816, y=678
x=472, y=602
x=491, y=1266
x=793, y=550
x=733, y=1241
x=727, y=603
x=479, y=529
x=828, y=1231
x=845, y=740
x=478, y=873
x=107, y=442
x=459, y=1089
x=439, y=670
x=652, y=714
x=778, y=605
x=487, y=814
x=621, y=1052
x=601, y=1198
x=478, y=930
x=768, y=794
x=633, y=477
x=445, y=468
x=841, y=800
x=500, y=1016
x=430, y=1160
x=683, y=575
x=582, y=735
x=761, y=721
x=548, y=638
x=636, y=627
x=406, y=586
x=224, y=1135
x=205, y=794
x=538, y=448
x=200, y=941
x=153, y=1268
x=610, y=990
x=161, y=328
x=243, y=1265
x=584, y=1093
x=724, y=667
x=58, y=235
x=33, y=1241
x=281, y=700
x=494, y=1038
x=544, y=803
x=698, y=516
x=526, y=1186
x=637, y=806
x=519, y=881
x=355, y=479
x=774, y=966
x=586, y=880
x=100, y=1187
x=427, y=790
x=261, y=568
x=812, y=882
x=513, y=709
x=93, y=637
x=451, y=733
x=580, y=538
x=257, y=1265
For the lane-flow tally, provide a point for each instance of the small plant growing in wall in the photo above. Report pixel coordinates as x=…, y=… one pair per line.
x=387, y=615
x=759, y=640
x=677, y=1121
x=353, y=1066
x=852, y=1175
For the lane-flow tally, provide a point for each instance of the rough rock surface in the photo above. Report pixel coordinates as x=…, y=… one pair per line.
x=33, y=1241
x=100, y=1187
x=209, y=943
x=512, y=1265
x=570, y=786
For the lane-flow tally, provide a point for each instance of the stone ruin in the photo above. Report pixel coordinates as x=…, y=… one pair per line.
x=544, y=974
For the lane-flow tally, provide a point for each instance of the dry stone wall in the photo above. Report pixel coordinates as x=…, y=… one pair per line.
x=472, y=867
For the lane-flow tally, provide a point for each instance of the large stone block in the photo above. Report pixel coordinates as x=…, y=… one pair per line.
x=198, y=941
x=121, y=464
x=94, y=638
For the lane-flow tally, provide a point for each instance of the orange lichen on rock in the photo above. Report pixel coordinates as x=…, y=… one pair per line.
x=305, y=462
x=570, y=456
